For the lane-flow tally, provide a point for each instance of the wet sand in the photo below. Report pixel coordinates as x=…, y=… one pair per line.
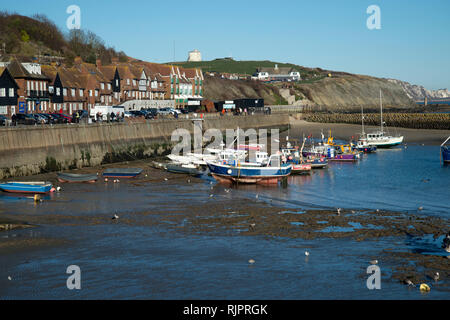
x=257, y=217
x=346, y=131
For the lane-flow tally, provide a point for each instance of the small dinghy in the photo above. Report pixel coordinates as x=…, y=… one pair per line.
x=26, y=187
x=77, y=178
x=122, y=172
x=183, y=168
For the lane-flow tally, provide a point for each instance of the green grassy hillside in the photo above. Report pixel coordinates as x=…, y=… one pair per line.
x=248, y=67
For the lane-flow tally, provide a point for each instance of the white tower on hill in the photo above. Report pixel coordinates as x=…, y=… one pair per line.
x=195, y=56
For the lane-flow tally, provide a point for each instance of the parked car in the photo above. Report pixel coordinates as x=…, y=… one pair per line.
x=165, y=111
x=23, y=118
x=128, y=114
x=175, y=111
x=3, y=120
x=137, y=113
x=51, y=119
x=148, y=114
x=62, y=118
x=40, y=118
x=184, y=110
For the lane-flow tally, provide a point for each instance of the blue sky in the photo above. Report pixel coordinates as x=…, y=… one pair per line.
x=413, y=43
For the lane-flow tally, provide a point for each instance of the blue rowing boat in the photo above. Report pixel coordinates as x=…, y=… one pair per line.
x=122, y=172
x=26, y=187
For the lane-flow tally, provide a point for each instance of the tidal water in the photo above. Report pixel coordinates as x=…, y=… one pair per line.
x=129, y=261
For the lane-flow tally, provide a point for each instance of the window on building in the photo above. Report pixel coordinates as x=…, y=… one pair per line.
x=81, y=92
x=117, y=82
x=109, y=86
x=32, y=85
x=90, y=93
x=65, y=92
x=11, y=92
x=102, y=86
x=134, y=82
x=128, y=81
x=58, y=91
x=73, y=92
x=96, y=92
x=2, y=92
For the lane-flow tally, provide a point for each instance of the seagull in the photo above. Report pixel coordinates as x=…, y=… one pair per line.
x=211, y=195
x=165, y=179
x=339, y=211
x=252, y=226
x=189, y=181
x=409, y=282
x=116, y=217
x=420, y=208
x=306, y=253
x=378, y=210
x=251, y=261
x=436, y=276
x=375, y=261
x=257, y=196
x=9, y=278
x=227, y=190
x=58, y=188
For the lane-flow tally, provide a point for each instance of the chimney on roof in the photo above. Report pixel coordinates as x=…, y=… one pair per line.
x=78, y=60
x=98, y=63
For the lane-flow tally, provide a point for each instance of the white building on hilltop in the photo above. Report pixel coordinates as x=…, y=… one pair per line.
x=195, y=56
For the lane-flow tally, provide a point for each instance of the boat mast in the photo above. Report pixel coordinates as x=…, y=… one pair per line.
x=381, y=110
x=362, y=120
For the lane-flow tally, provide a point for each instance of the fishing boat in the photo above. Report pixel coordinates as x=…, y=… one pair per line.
x=26, y=187
x=77, y=178
x=122, y=172
x=363, y=146
x=381, y=139
x=445, y=151
x=233, y=171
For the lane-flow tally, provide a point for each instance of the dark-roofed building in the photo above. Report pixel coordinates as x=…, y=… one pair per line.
x=8, y=93
x=33, y=85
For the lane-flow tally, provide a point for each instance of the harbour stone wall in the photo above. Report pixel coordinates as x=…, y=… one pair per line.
x=40, y=149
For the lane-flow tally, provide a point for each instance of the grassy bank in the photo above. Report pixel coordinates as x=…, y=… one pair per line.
x=403, y=120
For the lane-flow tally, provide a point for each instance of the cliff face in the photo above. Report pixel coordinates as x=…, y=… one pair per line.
x=418, y=93
x=218, y=89
x=339, y=92
x=354, y=91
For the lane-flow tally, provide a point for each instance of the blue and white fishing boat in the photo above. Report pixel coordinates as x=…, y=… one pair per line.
x=235, y=171
x=445, y=151
x=26, y=187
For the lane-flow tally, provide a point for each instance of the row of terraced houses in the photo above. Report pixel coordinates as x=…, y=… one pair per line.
x=27, y=86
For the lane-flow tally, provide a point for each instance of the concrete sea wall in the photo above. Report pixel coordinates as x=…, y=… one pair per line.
x=39, y=149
